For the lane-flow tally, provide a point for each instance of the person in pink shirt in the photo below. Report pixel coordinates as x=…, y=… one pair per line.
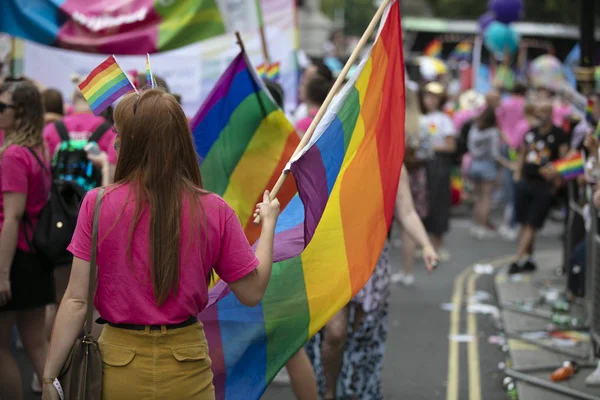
x=511, y=111
x=317, y=89
x=160, y=239
x=26, y=282
x=80, y=125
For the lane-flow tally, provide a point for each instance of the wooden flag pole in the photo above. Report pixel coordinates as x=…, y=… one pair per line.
x=336, y=87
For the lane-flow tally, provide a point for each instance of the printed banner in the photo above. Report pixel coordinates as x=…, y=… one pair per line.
x=125, y=27
x=190, y=71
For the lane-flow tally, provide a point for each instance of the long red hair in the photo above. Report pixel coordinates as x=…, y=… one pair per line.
x=157, y=157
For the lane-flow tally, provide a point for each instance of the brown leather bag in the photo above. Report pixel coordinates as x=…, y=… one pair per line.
x=81, y=375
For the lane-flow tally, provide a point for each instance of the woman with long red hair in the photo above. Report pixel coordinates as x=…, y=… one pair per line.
x=160, y=238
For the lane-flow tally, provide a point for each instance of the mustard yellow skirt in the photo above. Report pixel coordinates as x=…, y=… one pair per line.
x=158, y=364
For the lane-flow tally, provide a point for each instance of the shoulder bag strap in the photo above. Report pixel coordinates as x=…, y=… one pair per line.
x=26, y=219
x=62, y=130
x=100, y=131
x=93, y=266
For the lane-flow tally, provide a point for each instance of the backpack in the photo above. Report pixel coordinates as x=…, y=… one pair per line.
x=70, y=163
x=57, y=219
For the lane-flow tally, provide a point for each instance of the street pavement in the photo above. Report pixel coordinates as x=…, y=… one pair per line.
x=417, y=358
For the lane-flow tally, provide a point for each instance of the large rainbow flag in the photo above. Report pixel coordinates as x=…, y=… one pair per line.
x=244, y=140
x=347, y=180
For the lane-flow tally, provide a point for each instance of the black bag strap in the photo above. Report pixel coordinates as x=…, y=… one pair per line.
x=62, y=130
x=100, y=131
x=89, y=316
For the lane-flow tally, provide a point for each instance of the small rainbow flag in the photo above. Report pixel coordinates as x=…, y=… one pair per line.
x=462, y=51
x=329, y=237
x=261, y=70
x=273, y=71
x=150, y=81
x=570, y=167
x=434, y=49
x=243, y=140
x=105, y=84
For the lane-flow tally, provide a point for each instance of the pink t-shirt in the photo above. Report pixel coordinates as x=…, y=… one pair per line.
x=521, y=129
x=460, y=117
x=125, y=293
x=509, y=113
x=303, y=124
x=20, y=172
x=560, y=113
x=80, y=127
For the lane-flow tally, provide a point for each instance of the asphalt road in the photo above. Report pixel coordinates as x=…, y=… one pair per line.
x=417, y=358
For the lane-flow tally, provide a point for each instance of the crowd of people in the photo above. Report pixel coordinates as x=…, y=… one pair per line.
x=503, y=142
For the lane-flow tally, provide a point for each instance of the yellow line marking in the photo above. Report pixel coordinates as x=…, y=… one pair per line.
x=453, y=349
x=473, y=346
x=453, y=346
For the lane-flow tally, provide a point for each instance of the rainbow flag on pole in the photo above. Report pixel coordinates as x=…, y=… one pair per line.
x=104, y=85
x=328, y=238
x=244, y=141
x=434, y=49
x=150, y=81
x=570, y=167
x=273, y=71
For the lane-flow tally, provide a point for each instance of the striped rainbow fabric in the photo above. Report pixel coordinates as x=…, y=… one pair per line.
x=244, y=141
x=329, y=238
x=570, y=167
x=104, y=85
x=150, y=81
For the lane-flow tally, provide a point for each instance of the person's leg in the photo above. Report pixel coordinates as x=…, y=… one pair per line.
x=486, y=191
x=10, y=376
x=525, y=242
x=332, y=350
x=477, y=204
x=31, y=327
x=302, y=376
x=61, y=280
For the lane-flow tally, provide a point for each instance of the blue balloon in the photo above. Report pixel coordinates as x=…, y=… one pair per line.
x=507, y=11
x=498, y=37
x=485, y=20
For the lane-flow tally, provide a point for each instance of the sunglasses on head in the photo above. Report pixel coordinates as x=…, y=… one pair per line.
x=4, y=106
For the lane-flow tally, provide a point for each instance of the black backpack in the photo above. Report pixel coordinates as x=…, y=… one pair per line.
x=70, y=163
x=57, y=219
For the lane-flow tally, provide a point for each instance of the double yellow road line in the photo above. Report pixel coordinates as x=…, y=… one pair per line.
x=460, y=291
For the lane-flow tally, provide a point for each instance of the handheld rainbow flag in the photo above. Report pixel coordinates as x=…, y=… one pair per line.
x=150, y=81
x=261, y=70
x=571, y=167
x=434, y=49
x=462, y=51
x=273, y=72
x=244, y=141
x=104, y=85
x=347, y=179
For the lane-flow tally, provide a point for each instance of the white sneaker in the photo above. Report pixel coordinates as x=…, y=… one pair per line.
x=398, y=277
x=36, y=385
x=594, y=378
x=409, y=280
x=482, y=232
x=444, y=255
x=507, y=233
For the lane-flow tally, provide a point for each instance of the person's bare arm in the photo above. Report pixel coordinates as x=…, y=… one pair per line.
x=409, y=219
x=250, y=289
x=519, y=165
x=69, y=318
x=449, y=145
x=14, y=209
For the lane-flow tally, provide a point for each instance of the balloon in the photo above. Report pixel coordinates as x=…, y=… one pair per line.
x=547, y=71
x=498, y=37
x=486, y=19
x=507, y=11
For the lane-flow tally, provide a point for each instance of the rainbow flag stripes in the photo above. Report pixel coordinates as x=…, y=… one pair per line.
x=571, y=167
x=273, y=71
x=105, y=84
x=261, y=70
x=150, y=81
x=330, y=236
x=243, y=140
x=434, y=49
x=462, y=51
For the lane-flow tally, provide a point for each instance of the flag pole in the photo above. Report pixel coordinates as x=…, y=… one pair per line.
x=254, y=86
x=336, y=87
